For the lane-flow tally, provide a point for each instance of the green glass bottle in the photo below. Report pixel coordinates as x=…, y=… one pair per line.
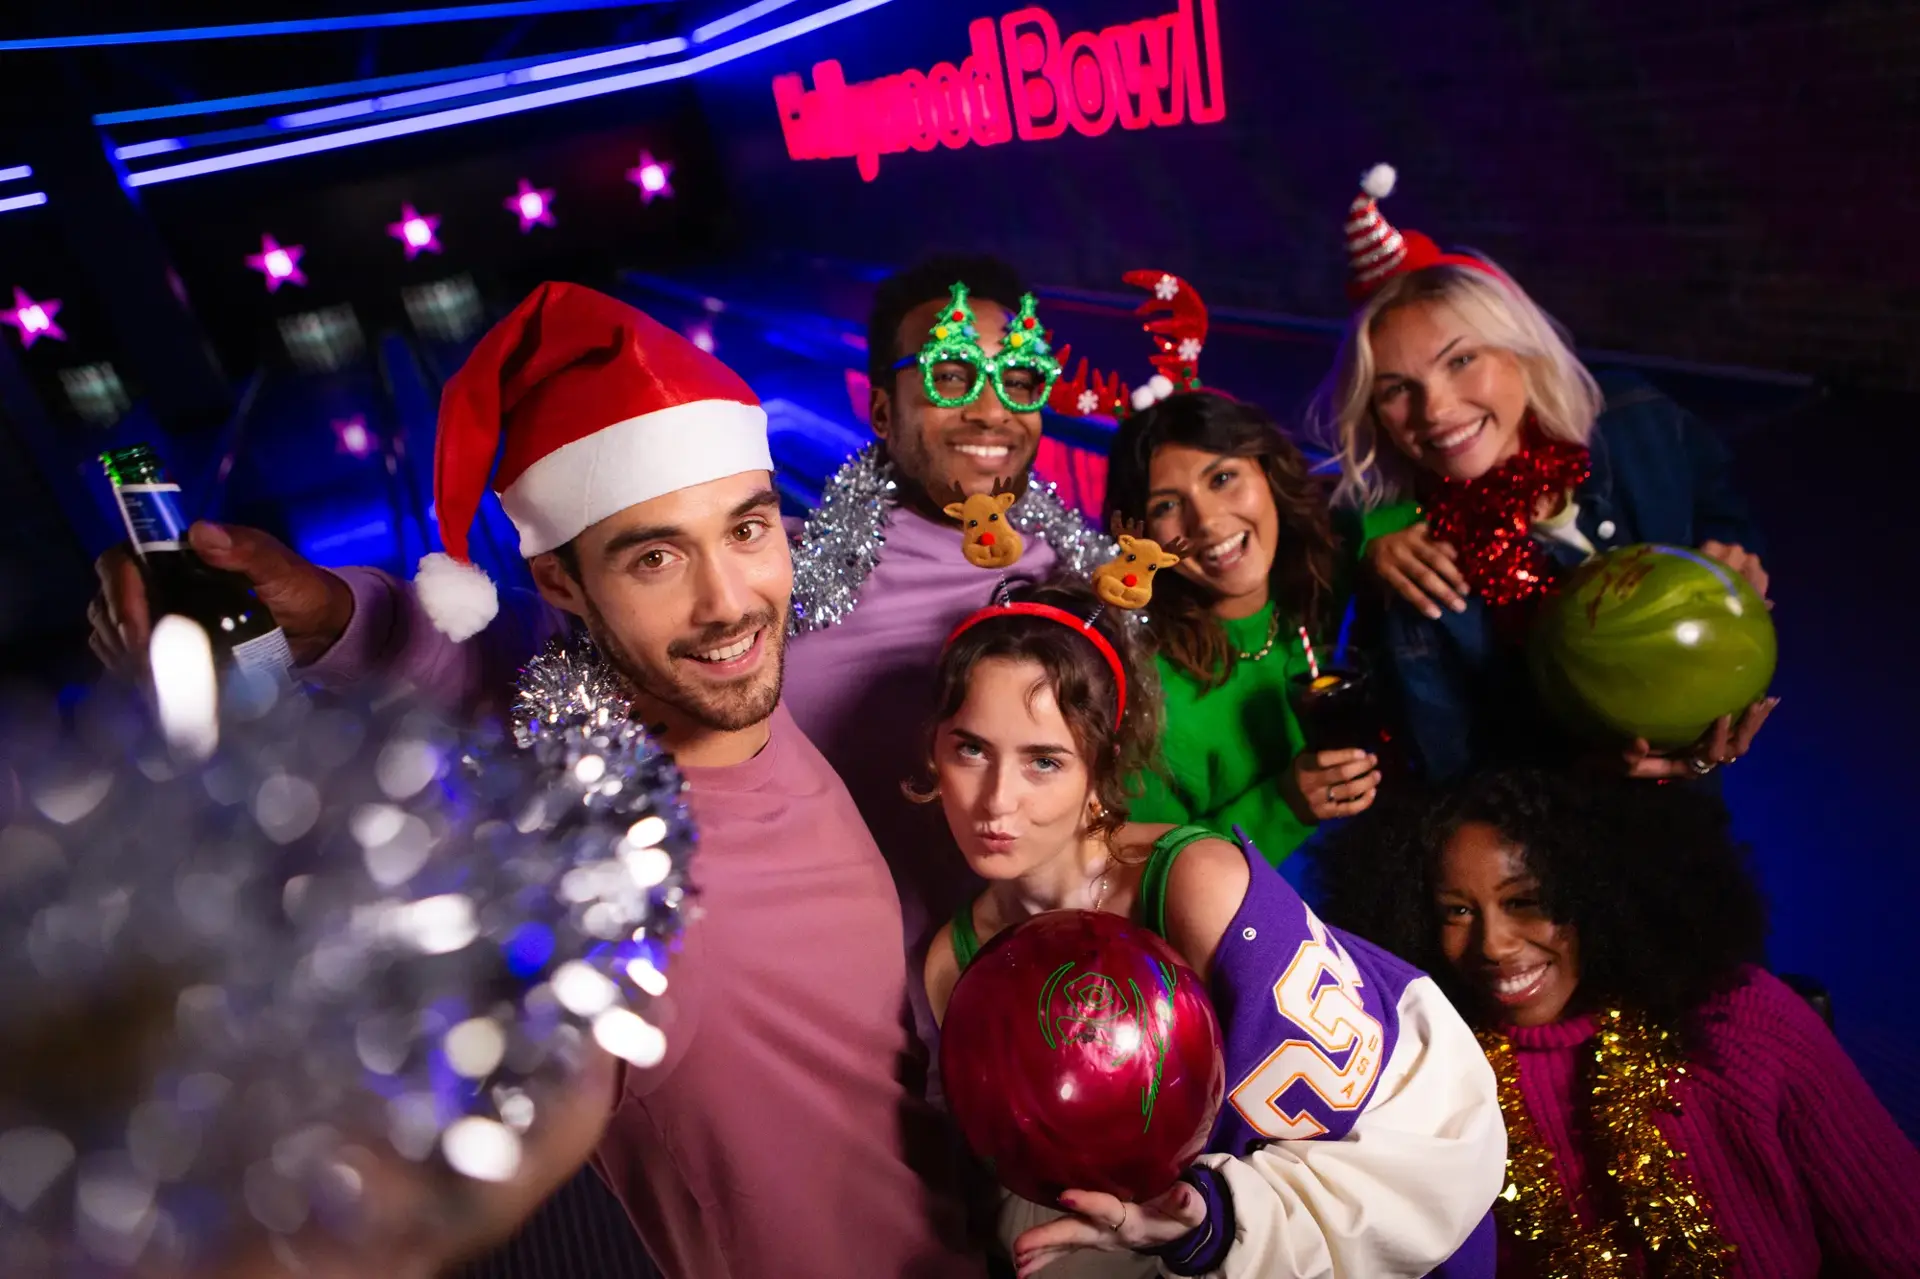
x=243, y=632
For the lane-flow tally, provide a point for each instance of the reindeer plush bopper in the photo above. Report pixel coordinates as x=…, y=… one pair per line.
x=989, y=538
x=1126, y=580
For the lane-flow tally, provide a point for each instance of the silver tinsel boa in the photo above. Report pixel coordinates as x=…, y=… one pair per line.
x=348, y=928
x=844, y=537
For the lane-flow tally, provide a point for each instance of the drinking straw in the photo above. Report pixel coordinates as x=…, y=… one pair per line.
x=1306, y=644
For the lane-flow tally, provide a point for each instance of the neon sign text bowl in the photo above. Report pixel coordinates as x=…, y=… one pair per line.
x=1022, y=79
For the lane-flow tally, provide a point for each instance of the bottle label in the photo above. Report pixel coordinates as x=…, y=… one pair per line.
x=267, y=656
x=152, y=513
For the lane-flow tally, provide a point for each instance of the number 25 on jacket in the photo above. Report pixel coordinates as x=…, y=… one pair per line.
x=1319, y=993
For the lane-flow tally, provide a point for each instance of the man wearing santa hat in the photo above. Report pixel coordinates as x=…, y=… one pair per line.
x=776, y=1138
x=877, y=583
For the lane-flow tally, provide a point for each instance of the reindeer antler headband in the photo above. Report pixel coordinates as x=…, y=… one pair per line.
x=1179, y=332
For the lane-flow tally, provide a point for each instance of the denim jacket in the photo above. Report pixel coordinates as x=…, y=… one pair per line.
x=1659, y=475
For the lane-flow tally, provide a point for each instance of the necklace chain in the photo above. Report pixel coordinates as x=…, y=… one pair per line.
x=1273, y=633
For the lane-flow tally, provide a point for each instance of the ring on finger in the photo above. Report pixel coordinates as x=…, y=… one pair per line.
x=1701, y=767
x=1332, y=798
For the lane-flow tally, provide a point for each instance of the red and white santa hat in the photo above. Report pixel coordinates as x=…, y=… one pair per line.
x=588, y=406
x=1377, y=251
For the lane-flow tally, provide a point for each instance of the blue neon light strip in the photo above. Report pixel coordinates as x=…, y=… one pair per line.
x=16, y=173
x=479, y=84
x=504, y=106
x=303, y=26
x=739, y=18
x=159, y=146
x=11, y=202
x=312, y=93
x=605, y=58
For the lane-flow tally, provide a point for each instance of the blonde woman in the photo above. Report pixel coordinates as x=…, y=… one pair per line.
x=1453, y=387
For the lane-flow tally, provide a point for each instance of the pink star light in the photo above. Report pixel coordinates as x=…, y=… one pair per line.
x=651, y=175
x=354, y=438
x=33, y=319
x=280, y=264
x=532, y=205
x=418, y=233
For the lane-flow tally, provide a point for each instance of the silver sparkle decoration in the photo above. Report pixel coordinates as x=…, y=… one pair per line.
x=842, y=541
x=567, y=683
x=346, y=929
x=844, y=538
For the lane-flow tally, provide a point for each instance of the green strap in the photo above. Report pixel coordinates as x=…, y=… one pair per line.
x=1153, y=880
x=966, y=942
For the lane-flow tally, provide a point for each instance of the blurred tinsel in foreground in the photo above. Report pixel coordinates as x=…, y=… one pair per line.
x=252, y=952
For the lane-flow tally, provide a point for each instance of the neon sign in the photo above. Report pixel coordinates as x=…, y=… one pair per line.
x=1021, y=79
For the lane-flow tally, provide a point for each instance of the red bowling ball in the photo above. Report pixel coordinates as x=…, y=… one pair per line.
x=1079, y=1052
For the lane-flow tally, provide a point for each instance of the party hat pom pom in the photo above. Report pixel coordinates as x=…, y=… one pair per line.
x=458, y=597
x=1161, y=386
x=1143, y=398
x=1379, y=181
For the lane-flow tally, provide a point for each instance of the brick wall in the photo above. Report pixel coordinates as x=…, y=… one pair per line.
x=1710, y=180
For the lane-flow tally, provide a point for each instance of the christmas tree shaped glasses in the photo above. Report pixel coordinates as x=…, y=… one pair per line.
x=954, y=368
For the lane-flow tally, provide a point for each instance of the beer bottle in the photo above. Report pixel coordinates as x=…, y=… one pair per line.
x=243, y=632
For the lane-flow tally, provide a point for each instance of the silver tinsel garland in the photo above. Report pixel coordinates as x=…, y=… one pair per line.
x=844, y=538
x=566, y=684
x=350, y=928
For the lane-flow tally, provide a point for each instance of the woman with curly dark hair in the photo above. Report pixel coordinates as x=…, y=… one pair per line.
x=1671, y=1108
x=1227, y=621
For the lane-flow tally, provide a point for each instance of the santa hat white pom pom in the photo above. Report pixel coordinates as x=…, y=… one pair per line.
x=1161, y=385
x=458, y=597
x=1379, y=181
x=1143, y=398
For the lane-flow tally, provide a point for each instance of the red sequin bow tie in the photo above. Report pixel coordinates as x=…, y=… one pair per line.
x=1489, y=521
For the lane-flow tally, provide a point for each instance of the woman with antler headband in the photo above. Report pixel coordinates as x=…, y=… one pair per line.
x=1452, y=386
x=1361, y=1136
x=1233, y=625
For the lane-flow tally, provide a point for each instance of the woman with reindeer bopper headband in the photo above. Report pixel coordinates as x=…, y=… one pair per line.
x=1361, y=1133
x=1244, y=623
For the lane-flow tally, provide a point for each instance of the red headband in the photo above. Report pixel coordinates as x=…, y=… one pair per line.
x=1084, y=625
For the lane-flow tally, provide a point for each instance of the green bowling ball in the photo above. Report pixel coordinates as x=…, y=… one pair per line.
x=1654, y=642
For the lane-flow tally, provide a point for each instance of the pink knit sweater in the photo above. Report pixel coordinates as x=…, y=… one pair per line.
x=1801, y=1163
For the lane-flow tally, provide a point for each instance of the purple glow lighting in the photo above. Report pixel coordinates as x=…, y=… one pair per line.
x=33, y=319
x=418, y=233
x=533, y=205
x=354, y=438
x=650, y=175
x=280, y=264
x=701, y=335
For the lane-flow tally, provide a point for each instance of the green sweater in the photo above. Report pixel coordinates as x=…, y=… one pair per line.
x=1229, y=749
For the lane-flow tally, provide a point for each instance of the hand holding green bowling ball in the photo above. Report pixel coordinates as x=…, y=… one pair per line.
x=1653, y=642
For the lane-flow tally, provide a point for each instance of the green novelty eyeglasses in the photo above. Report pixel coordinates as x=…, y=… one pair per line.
x=954, y=369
